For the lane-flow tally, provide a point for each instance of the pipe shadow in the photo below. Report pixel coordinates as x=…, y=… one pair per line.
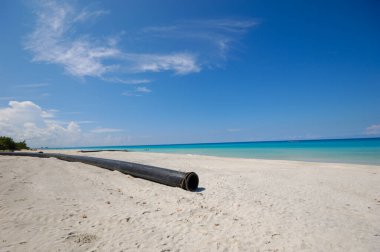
x=200, y=189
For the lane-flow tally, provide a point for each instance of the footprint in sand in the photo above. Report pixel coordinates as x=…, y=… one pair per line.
x=81, y=238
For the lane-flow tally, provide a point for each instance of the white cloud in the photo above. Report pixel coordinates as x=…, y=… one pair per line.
x=373, y=130
x=143, y=90
x=27, y=121
x=180, y=63
x=137, y=92
x=105, y=130
x=52, y=41
x=56, y=39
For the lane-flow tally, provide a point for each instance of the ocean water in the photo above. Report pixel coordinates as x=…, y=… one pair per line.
x=360, y=151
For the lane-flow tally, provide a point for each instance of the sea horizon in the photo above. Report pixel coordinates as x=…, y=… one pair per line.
x=340, y=150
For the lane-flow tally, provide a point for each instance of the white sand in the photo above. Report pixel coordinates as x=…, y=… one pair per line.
x=243, y=205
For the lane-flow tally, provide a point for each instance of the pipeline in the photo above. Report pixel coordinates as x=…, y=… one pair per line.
x=186, y=180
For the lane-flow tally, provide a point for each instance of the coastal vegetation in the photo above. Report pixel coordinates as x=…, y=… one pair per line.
x=7, y=143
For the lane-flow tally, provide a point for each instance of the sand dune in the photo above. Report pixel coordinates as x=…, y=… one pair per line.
x=242, y=205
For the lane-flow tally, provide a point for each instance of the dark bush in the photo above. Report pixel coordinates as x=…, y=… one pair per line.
x=7, y=143
x=22, y=146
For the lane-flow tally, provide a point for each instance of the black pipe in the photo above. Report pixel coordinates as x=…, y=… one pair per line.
x=186, y=180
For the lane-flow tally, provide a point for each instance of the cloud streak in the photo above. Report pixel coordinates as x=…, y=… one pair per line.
x=128, y=81
x=180, y=63
x=35, y=85
x=53, y=41
x=143, y=90
x=215, y=34
x=56, y=39
x=105, y=130
x=373, y=130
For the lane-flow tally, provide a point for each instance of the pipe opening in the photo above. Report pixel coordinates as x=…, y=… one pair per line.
x=191, y=181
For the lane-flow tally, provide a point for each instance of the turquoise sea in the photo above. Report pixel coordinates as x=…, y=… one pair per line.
x=361, y=151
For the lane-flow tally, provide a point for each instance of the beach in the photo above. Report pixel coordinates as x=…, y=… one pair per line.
x=241, y=205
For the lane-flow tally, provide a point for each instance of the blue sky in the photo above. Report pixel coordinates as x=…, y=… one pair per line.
x=82, y=73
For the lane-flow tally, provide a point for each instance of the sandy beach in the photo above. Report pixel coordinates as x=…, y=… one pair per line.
x=241, y=205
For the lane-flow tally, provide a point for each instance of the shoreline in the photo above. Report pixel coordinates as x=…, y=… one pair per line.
x=80, y=151
x=355, y=151
x=242, y=205
x=238, y=142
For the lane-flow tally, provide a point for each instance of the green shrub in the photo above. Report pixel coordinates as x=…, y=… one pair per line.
x=22, y=146
x=7, y=143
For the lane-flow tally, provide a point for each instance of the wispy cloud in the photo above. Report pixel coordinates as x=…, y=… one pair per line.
x=53, y=41
x=105, y=130
x=127, y=81
x=45, y=94
x=131, y=93
x=86, y=14
x=217, y=34
x=34, y=85
x=56, y=39
x=143, y=90
x=85, y=122
x=181, y=63
x=137, y=91
x=373, y=130
x=196, y=28
x=62, y=122
x=71, y=113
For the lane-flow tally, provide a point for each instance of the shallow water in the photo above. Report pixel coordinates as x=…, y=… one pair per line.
x=361, y=151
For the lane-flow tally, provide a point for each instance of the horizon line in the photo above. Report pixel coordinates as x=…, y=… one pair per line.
x=206, y=143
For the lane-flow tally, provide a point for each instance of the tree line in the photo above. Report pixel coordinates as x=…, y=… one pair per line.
x=7, y=143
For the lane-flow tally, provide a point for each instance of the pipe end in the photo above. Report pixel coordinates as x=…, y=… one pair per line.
x=191, y=181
